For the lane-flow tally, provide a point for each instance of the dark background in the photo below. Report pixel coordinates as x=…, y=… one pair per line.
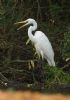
x=53, y=18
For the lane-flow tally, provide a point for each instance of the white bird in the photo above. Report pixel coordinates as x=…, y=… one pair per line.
x=40, y=40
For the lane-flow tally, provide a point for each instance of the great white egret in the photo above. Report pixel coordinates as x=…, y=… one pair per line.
x=40, y=40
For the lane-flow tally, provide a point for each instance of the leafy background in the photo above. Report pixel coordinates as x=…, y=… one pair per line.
x=17, y=61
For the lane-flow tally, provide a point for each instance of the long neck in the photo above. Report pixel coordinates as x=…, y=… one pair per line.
x=30, y=30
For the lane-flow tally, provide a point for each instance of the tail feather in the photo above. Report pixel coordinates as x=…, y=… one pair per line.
x=53, y=63
x=50, y=61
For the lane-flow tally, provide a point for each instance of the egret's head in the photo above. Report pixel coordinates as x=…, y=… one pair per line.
x=26, y=22
x=31, y=21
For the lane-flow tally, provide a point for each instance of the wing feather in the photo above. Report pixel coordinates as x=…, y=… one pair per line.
x=44, y=47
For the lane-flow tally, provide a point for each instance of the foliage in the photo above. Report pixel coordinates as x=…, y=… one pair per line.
x=56, y=75
x=53, y=19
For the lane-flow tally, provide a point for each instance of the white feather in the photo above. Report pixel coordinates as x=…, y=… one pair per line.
x=43, y=47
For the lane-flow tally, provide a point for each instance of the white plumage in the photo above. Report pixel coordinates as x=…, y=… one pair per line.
x=40, y=41
x=43, y=47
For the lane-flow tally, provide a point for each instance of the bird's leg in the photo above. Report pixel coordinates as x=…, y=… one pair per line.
x=40, y=70
x=34, y=53
x=39, y=56
x=42, y=56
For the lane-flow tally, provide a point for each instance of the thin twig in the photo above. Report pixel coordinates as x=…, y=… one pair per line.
x=22, y=61
x=3, y=77
x=39, y=10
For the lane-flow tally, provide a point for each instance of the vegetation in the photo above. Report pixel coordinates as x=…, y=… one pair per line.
x=17, y=59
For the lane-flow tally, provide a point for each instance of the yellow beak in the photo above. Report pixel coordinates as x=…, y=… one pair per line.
x=22, y=22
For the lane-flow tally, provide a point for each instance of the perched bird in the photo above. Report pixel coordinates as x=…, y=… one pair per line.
x=40, y=40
